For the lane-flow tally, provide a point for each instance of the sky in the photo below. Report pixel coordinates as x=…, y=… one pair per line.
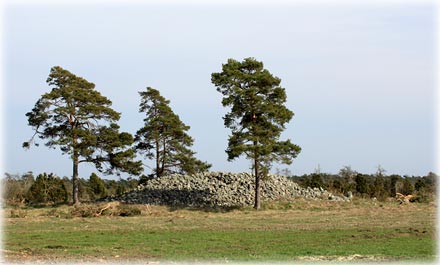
x=361, y=79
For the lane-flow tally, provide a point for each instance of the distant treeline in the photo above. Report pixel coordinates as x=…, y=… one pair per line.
x=378, y=185
x=49, y=189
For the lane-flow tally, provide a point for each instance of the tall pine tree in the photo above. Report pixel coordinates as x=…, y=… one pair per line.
x=80, y=121
x=164, y=139
x=257, y=116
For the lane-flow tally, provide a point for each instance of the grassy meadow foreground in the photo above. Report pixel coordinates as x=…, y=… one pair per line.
x=299, y=230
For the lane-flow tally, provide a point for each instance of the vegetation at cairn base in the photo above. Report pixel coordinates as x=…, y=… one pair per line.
x=164, y=139
x=301, y=230
x=16, y=187
x=257, y=116
x=80, y=121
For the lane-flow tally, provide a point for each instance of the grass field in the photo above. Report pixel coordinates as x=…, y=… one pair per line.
x=302, y=230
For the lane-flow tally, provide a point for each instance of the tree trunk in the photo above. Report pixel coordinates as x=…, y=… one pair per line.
x=164, y=153
x=257, y=186
x=157, y=159
x=75, y=178
x=257, y=175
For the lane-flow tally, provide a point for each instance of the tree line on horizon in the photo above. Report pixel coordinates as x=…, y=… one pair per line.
x=379, y=185
x=80, y=121
x=49, y=189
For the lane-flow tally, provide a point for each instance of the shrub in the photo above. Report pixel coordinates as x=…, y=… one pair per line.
x=315, y=181
x=407, y=187
x=96, y=187
x=47, y=188
x=361, y=184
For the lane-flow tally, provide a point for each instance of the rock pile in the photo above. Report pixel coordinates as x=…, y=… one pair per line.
x=217, y=189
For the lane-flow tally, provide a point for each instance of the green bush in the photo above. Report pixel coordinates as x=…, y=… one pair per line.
x=407, y=187
x=315, y=181
x=361, y=184
x=47, y=188
x=96, y=187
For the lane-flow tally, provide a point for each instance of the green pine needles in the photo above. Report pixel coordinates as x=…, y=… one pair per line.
x=164, y=138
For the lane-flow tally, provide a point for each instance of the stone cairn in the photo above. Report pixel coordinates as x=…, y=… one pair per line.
x=218, y=189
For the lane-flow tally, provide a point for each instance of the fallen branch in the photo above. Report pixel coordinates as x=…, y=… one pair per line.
x=108, y=206
x=404, y=198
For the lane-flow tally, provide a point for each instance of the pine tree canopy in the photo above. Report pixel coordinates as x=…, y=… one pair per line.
x=257, y=112
x=163, y=137
x=80, y=121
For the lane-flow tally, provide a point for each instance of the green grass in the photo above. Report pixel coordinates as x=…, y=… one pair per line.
x=389, y=232
x=222, y=245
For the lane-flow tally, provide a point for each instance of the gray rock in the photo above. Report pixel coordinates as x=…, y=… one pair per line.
x=218, y=189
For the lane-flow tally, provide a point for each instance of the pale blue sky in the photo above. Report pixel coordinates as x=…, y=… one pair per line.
x=360, y=78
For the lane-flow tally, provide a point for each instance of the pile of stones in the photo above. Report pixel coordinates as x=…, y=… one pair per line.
x=218, y=189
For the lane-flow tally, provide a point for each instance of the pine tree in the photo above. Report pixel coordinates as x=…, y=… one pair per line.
x=81, y=122
x=164, y=138
x=257, y=116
